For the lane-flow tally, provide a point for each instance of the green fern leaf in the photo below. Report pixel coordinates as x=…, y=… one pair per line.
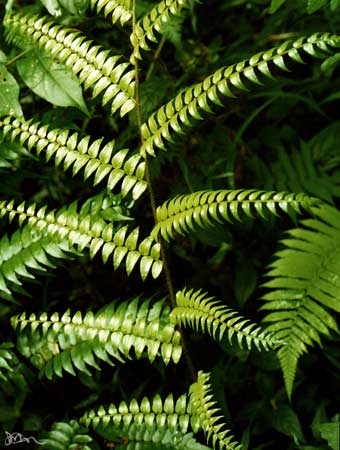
x=164, y=415
x=64, y=342
x=194, y=103
x=153, y=23
x=204, y=416
x=204, y=209
x=92, y=64
x=66, y=435
x=69, y=151
x=204, y=313
x=14, y=375
x=88, y=231
x=300, y=299
x=143, y=437
x=116, y=10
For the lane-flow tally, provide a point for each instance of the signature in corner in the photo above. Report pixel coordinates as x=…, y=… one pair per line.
x=18, y=438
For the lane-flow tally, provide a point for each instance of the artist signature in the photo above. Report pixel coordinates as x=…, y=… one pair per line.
x=18, y=438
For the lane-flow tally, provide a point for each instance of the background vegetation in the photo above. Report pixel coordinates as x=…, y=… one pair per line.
x=284, y=136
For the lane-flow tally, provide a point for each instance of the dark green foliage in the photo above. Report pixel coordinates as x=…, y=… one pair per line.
x=241, y=205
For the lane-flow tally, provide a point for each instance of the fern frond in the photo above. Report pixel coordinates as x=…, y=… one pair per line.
x=143, y=437
x=64, y=342
x=90, y=231
x=14, y=375
x=67, y=436
x=200, y=312
x=203, y=209
x=204, y=416
x=192, y=104
x=69, y=150
x=154, y=22
x=93, y=65
x=305, y=288
x=26, y=251
x=168, y=414
x=298, y=172
x=116, y=9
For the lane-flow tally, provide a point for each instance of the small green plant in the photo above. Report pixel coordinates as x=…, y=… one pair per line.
x=148, y=115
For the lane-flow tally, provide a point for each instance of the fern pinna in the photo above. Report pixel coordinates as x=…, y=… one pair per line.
x=303, y=277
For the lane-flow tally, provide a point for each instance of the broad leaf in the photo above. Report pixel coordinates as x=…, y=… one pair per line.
x=51, y=80
x=9, y=94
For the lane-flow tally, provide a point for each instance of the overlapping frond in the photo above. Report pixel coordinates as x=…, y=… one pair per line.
x=164, y=414
x=298, y=172
x=194, y=103
x=65, y=342
x=154, y=22
x=204, y=417
x=15, y=376
x=94, y=66
x=70, y=151
x=143, y=437
x=116, y=10
x=92, y=232
x=67, y=436
x=305, y=288
x=203, y=209
x=203, y=313
x=24, y=253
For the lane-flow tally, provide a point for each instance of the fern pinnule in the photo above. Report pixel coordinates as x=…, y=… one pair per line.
x=70, y=151
x=116, y=10
x=194, y=103
x=203, y=313
x=203, y=209
x=92, y=232
x=15, y=376
x=301, y=301
x=93, y=65
x=203, y=410
x=167, y=414
x=112, y=332
x=154, y=21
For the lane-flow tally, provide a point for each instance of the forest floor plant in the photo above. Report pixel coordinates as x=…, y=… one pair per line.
x=164, y=138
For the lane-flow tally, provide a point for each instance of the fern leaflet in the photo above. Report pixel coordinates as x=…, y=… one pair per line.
x=116, y=9
x=66, y=435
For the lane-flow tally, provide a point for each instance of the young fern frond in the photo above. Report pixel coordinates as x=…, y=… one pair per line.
x=203, y=313
x=164, y=415
x=90, y=231
x=65, y=342
x=94, y=66
x=301, y=301
x=298, y=172
x=203, y=209
x=116, y=10
x=204, y=414
x=154, y=21
x=69, y=150
x=67, y=436
x=194, y=103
